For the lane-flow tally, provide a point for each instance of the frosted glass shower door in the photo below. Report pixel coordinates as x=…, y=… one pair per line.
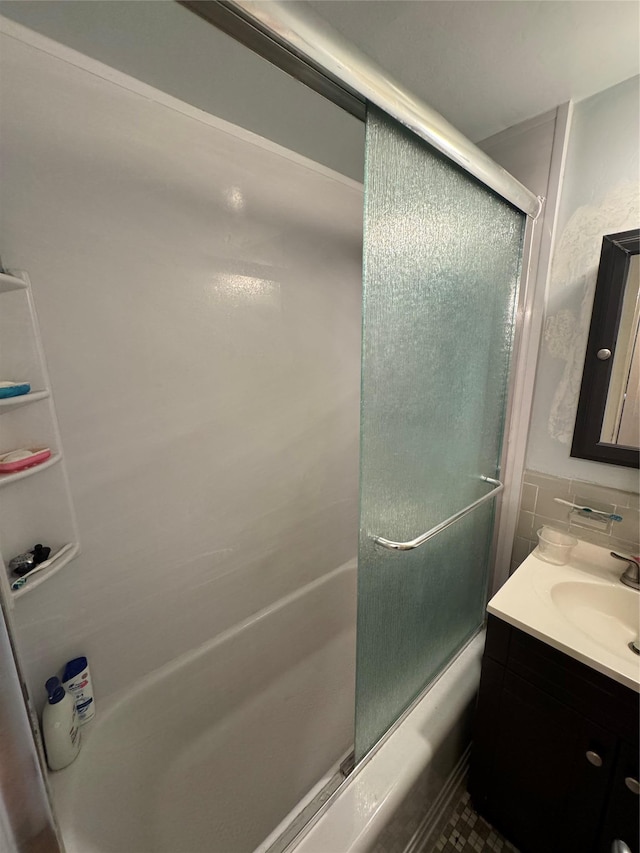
x=442, y=263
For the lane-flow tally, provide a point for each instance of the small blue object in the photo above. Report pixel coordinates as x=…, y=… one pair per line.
x=611, y=517
x=55, y=690
x=14, y=390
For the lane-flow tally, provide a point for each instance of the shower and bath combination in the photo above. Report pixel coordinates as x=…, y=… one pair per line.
x=447, y=235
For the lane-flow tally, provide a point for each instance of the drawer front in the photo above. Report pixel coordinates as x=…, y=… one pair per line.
x=603, y=700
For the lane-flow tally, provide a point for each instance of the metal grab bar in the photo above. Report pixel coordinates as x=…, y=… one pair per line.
x=420, y=540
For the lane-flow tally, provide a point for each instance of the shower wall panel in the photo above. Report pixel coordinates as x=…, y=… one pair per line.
x=199, y=292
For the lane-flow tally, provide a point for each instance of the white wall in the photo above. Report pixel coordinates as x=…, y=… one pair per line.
x=525, y=151
x=199, y=293
x=167, y=46
x=600, y=196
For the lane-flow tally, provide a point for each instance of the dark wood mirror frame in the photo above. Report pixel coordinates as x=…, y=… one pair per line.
x=617, y=250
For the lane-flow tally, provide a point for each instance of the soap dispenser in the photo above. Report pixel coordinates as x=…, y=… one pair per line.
x=60, y=726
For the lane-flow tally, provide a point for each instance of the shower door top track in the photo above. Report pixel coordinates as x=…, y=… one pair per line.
x=305, y=46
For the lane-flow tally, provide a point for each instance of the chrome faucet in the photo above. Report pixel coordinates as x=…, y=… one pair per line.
x=631, y=575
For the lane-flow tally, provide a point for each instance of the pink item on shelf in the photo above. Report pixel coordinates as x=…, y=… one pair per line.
x=18, y=460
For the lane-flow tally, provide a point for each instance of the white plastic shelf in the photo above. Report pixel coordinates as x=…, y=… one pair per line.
x=10, y=282
x=6, y=479
x=9, y=403
x=39, y=578
x=37, y=510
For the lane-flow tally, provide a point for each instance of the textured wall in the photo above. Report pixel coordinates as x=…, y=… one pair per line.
x=600, y=196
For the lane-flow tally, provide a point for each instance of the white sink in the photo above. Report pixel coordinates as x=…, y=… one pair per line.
x=581, y=609
x=608, y=615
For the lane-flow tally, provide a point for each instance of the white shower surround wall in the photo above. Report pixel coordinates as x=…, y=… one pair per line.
x=199, y=293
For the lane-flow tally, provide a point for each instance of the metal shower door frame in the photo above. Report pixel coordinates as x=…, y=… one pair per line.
x=26, y=815
x=305, y=46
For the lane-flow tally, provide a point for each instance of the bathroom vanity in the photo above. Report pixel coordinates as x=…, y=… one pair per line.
x=555, y=756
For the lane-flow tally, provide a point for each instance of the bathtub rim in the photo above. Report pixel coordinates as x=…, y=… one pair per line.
x=410, y=778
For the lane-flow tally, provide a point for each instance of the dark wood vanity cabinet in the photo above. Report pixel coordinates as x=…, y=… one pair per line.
x=621, y=819
x=555, y=751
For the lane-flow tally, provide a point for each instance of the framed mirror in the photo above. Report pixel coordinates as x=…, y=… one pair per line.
x=607, y=425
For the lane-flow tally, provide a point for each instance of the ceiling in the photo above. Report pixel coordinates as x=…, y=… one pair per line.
x=488, y=64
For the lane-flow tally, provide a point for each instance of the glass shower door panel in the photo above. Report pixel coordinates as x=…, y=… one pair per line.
x=441, y=268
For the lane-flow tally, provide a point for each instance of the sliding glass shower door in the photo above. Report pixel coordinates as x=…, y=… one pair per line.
x=442, y=263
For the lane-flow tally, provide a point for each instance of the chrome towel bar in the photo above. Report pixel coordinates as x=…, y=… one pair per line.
x=420, y=540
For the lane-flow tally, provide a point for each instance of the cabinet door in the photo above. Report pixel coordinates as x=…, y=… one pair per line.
x=529, y=789
x=623, y=811
x=485, y=731
x=591, y=773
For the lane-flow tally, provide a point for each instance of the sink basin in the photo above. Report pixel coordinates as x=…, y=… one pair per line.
x=579, y=608
x=609, y=616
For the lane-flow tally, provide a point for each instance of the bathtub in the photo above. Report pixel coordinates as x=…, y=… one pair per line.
x=210, y=753
x=216, y=751
x=394, y=799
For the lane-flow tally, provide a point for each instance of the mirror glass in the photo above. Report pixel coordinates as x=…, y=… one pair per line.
x=621, y=423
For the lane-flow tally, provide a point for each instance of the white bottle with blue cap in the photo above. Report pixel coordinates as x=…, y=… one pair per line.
x=76, y=680
x=60, y=726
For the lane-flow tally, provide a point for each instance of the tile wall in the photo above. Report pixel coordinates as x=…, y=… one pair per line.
x=538, y=507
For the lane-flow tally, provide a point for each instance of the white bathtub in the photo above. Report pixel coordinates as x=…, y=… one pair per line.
x=210, y=753
x=393, y=800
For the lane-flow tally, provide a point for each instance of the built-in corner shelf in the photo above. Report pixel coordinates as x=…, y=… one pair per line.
x=39, y=509
x=39, y=578
x=9, y=403
x=5, y=479
x=11, y=282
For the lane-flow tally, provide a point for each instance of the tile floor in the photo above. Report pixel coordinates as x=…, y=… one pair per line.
x=467, y=832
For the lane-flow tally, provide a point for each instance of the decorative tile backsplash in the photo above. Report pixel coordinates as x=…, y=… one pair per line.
x=538, y=507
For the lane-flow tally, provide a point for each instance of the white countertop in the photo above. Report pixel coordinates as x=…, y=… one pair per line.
x=581, y=609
